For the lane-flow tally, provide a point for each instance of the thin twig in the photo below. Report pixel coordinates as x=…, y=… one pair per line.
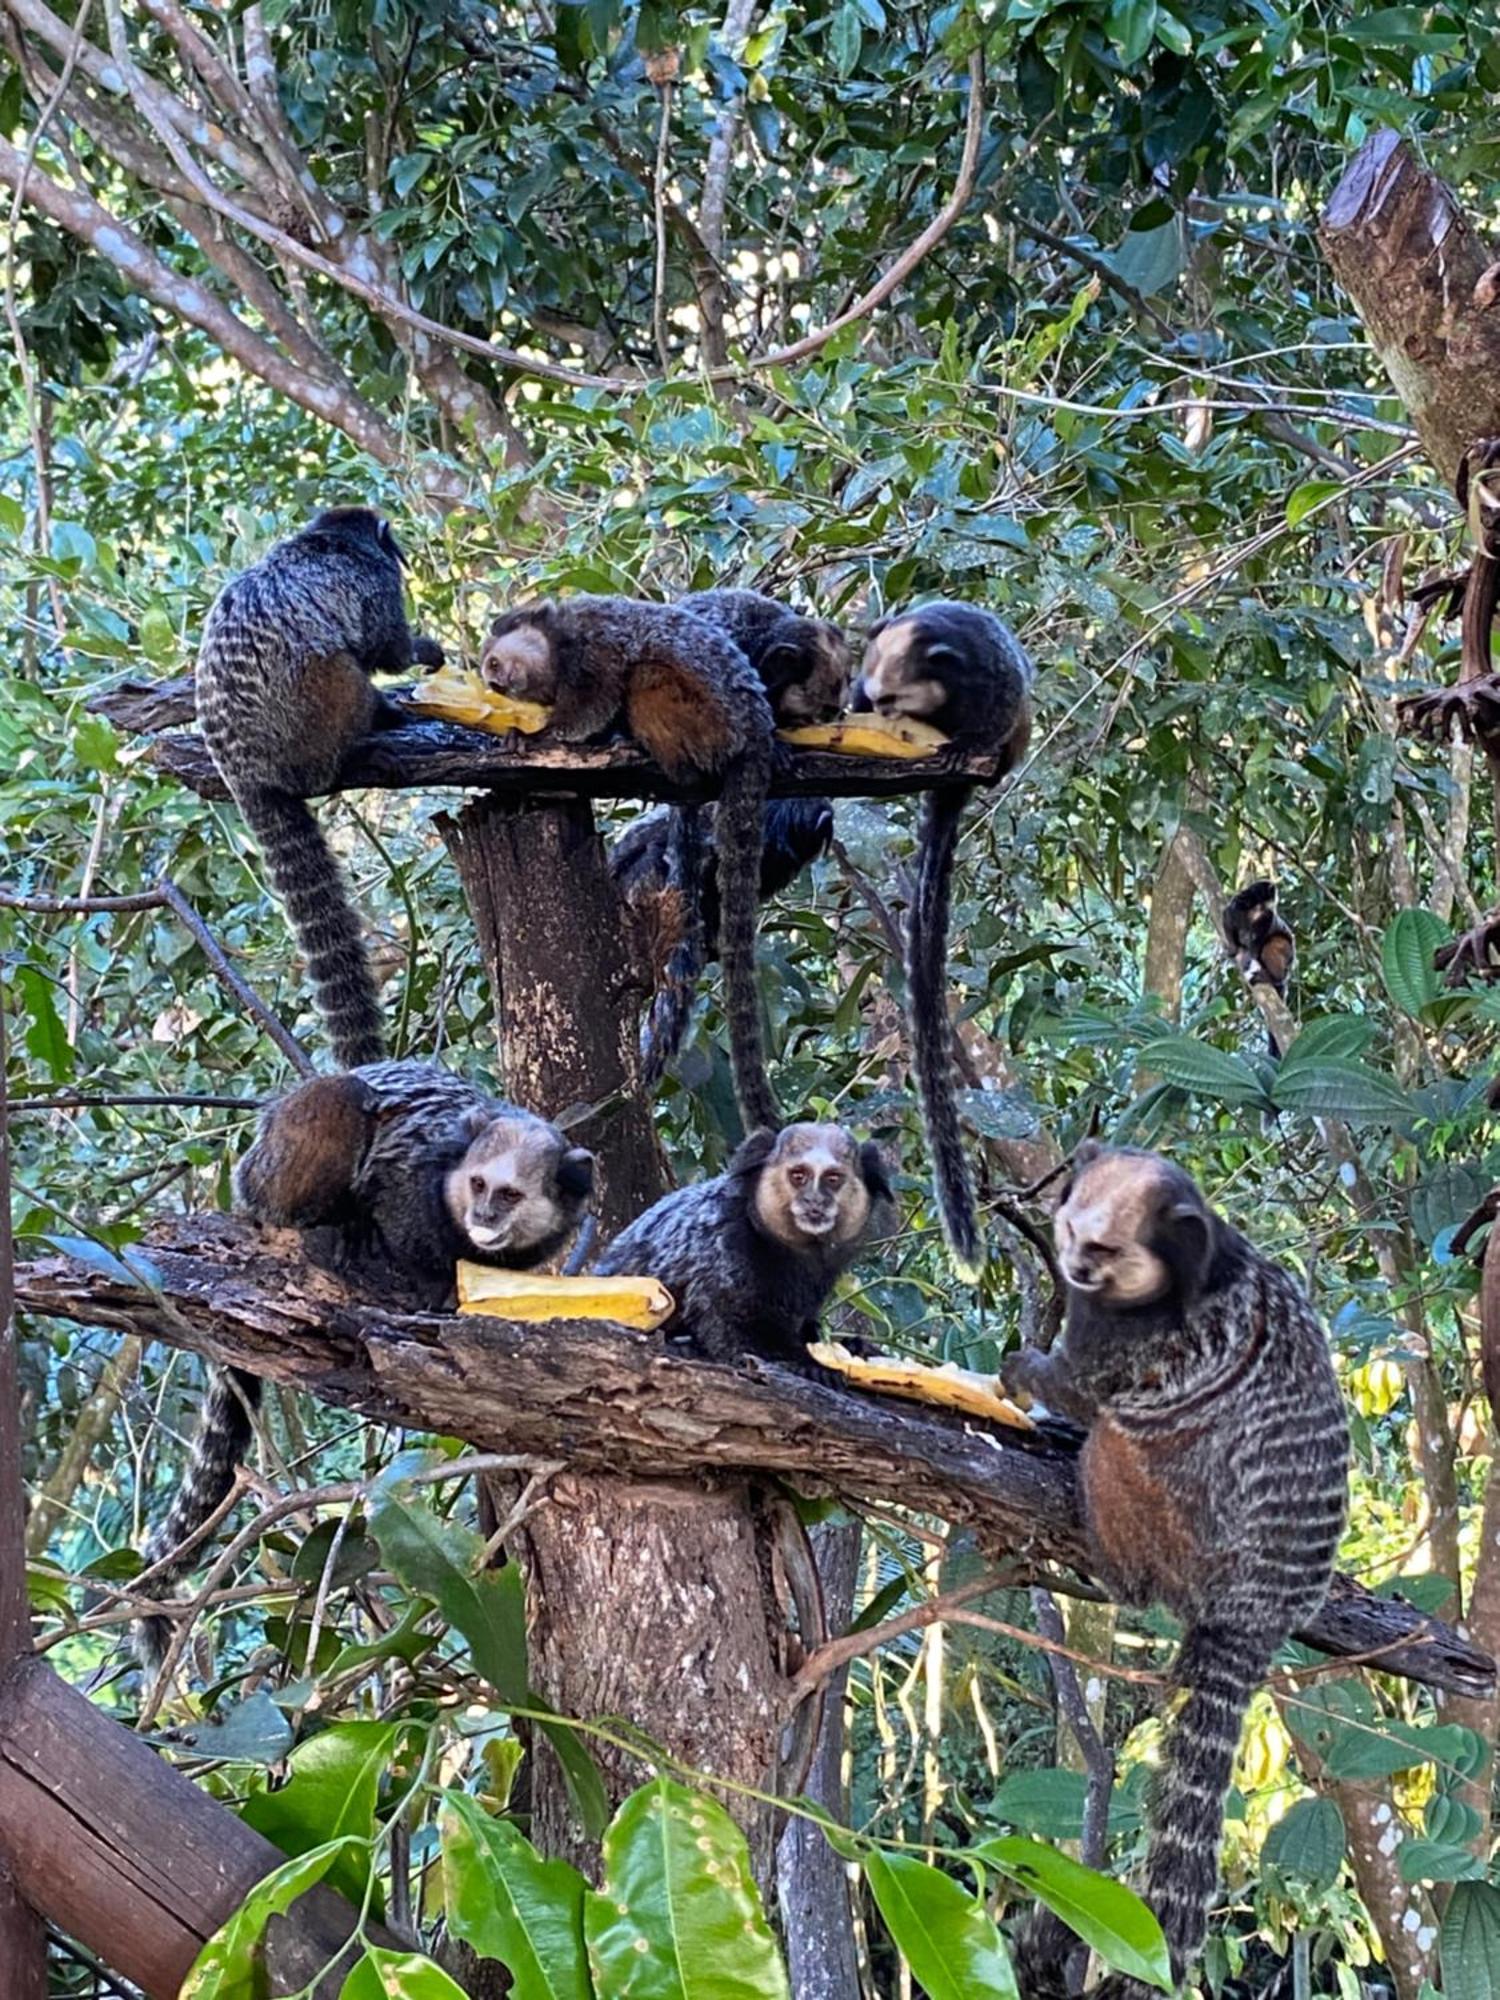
x=835, y=1653
x=659, y=198
x=248, y=998
x=84, y=1100
x=1098, y=1759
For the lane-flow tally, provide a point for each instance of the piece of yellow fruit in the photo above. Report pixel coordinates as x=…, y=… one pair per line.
x=952, y=1387
x=869, y=736
x=454, y=694
x=532, y=1295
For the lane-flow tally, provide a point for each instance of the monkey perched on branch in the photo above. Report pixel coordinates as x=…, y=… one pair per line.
x=963, y=671
x=687, y=694
x=393, y=1172
x=1260, y=942
x=1213, y=1479
x=284, y=694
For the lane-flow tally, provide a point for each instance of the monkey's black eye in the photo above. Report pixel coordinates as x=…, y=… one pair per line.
x=833, y=1182
x=476, y=1184
x=798, y=1176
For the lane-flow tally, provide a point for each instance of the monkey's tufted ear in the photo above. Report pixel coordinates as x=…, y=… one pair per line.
x=1088, y=1150
x=1184, y=1243
x=780, y=666
x=575, y=1172
x=873, y=1172
x=751, y=1154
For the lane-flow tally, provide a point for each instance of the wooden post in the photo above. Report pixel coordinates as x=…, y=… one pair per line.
x=23, y=1943
x=645, y=1599
x=128, y=1856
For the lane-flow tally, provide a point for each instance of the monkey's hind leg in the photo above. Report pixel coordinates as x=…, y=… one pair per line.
x=300, y=1171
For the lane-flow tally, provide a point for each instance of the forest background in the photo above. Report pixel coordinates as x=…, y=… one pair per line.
x=857, y=302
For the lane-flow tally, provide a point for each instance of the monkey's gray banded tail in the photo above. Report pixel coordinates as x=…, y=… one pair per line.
x=226, y=1425
x=738, y=831
x=309, y=881
x=932, y=1033
x=1220, y=1668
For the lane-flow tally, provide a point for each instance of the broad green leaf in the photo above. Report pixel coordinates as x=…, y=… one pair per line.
x=947, y=1938
x=1131, y=27
x=1437, y=1861
x=1050, y=1802
x=444, y=1562
x=1309, y=495
x=46, y=1038
x=1470, y=1943
x=227, y=1967
x=398, y=1975
x=1103, y=1912
x=845, y=37
x=1406, y=950
x=332, y=1791
x=509, y=1904
x=72, y=543
x=679, y=1916
x=1197, y=1066
x=1308, y=1843
x=1329, y=1038
x=1348, y=1090
x=1365, y=1753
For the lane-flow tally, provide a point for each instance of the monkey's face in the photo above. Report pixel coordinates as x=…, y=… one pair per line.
x=806, y=672
x=811, y=1192
x=520, y=659
x=1131, y=1229
x=515, y=1189
x=897, y=674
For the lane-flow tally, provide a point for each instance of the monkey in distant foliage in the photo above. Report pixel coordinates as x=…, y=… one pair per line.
x=284, y=694
x=394, y=1171
x=687, y=694
x=1260, y=942
x=963, y=671
x=1213, y=1479
x=647, y=862
x=751, y=1256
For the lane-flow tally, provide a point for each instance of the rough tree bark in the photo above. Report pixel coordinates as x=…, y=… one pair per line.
x=23, y=1946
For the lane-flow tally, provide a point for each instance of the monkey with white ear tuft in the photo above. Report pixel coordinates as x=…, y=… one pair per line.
x=1213, y=1480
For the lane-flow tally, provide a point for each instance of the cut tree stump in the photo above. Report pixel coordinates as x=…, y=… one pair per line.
x=606, y=1400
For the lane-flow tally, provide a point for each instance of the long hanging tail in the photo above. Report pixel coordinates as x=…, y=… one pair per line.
x=307, y=878
x=737, y=830
x=1220, y=1669
x=225, y=1428
x=666, y=1024
x=932, y=1033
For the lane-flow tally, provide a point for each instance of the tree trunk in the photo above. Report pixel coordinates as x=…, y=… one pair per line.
x=645, y=1600
x=812, y=1881
x=23, y=1944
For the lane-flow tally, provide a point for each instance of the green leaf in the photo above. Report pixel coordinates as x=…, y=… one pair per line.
x=1189, y=1064
x=1470, y=1943
x=1329, y=1038
x=679, y=1917
x=227, y=1968
x=1050, y=1802
x=72, y=543
x=845, y=39
x=1309, y=495
x=511, y=1905
x=332, y=1791
x=1308, y=1843
x=46, y=1038
x=1406, y=950
x=1347, y=1090
x=443, y=1561
x=1437, y=1861
x=1131, y=26
x=947, y=1938
x=1104, y=1913
x=398, y=1975
x=158, y=637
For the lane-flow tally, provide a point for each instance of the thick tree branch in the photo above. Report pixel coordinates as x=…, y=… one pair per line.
x=609, y=1401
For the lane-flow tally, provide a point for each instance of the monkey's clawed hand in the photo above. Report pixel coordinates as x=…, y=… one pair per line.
x=1473, y=705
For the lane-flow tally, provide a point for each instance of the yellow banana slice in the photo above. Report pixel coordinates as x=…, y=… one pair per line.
x=869, y=736
x=454, y=694
x=529, y=1295
x=952, y=1387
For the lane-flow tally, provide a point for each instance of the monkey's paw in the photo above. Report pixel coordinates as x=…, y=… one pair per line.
x=1473, y=705
x=1468, y=956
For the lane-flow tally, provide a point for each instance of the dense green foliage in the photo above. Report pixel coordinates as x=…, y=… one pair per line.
x=1123, y=403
